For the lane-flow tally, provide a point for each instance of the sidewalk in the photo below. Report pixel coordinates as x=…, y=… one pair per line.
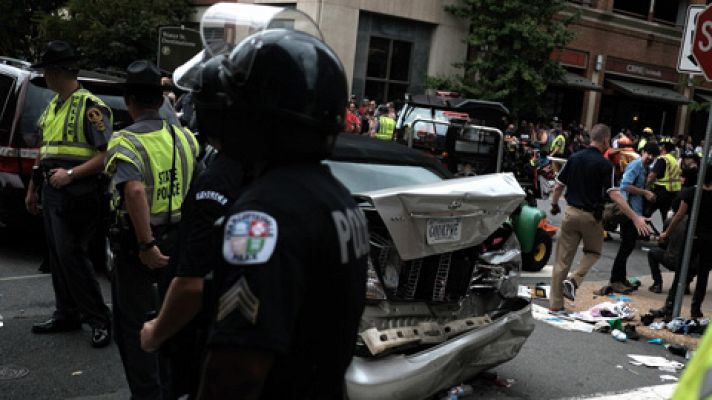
x=643, y=300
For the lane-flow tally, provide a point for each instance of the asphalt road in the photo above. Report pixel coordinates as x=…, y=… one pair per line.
x=553, y=363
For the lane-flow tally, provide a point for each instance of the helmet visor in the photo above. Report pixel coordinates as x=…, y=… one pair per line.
x=225, y=25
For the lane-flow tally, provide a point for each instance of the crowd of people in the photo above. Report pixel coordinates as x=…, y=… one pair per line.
x=621, y=182
x=371, y=120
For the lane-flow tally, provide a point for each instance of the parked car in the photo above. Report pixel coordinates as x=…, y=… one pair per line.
x=442, y=301
x=23, y=98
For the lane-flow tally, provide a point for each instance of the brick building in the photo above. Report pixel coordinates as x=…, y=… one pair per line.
x=621, y=64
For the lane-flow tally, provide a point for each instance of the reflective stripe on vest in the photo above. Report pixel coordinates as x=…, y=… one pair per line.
x=152, y=155
x=63, y=133
x=671, y=181
x=386, y=127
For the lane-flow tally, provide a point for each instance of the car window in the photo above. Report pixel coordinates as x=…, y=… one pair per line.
x=6, y=89
x=412, y=114
x=35, y=103
x=365, y=177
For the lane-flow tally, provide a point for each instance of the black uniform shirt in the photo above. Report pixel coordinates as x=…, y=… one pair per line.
x=659, y=167
x=704, y=219
x=208, y=199
x=588, y=177
x=293, y=279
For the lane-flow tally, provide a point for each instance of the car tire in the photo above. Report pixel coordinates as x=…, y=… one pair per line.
x=536, y=259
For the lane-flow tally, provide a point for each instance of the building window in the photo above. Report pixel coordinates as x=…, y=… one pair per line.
x=388, y=69
x=664, y=11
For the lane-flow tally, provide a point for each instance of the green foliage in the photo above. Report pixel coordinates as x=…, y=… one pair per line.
x=442, y=83
x=18, y=26
x=511, y=43
x=112, y=34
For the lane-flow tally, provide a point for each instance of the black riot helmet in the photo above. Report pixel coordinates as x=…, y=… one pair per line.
x=278, y=95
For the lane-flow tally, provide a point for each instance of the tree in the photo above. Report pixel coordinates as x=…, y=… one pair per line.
x=510, y=44
x=112, y=34
x=18, y=26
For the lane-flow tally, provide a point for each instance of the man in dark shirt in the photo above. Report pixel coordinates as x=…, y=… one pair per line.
x=703, y=238
x=665, y=179
x=588, y=177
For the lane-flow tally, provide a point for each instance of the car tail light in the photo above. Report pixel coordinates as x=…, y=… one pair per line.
x=374, y=287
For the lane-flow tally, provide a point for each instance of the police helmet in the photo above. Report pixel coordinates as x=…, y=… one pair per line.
x=277, y=94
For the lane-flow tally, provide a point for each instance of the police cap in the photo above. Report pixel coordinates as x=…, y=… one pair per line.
x=58, y=54
x=143, y=73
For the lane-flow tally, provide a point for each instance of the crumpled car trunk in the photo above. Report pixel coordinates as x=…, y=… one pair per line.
x=450, y=215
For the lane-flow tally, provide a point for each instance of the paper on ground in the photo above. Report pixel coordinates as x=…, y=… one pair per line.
x=652, y=361
x=570, y=324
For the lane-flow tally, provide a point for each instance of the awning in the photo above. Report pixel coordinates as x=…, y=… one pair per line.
x=569, y=79
x=649, y=91
x=706, y=98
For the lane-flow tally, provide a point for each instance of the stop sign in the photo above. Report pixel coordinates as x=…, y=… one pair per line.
x=702, y=42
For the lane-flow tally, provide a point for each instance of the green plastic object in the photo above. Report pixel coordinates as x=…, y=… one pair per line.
x=526, y=224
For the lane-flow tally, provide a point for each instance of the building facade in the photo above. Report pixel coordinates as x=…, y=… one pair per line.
x=621, y=65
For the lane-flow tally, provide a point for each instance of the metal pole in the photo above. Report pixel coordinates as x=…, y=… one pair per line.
x=685, y=265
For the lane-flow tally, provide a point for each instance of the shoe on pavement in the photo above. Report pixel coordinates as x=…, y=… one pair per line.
x=620, y=287
x=100, y=336
x=53, y=325
x=656, y=287
x=630, y=332
x=664, y=313
x=568, y=289
x=696, y=313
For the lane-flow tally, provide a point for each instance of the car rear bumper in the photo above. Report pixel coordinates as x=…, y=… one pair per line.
x=423, y=374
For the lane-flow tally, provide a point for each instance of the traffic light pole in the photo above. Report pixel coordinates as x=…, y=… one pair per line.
x=692, y=225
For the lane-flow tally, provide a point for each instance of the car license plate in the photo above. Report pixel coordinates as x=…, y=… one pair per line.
x=443, y=230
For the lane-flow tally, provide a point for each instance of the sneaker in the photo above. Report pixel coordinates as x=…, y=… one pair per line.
x=568, y=288
x=656, y=288
x=664, y=313
x=630, y=332
x=100, y=337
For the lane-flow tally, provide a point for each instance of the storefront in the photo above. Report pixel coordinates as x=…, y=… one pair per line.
x=638, y=95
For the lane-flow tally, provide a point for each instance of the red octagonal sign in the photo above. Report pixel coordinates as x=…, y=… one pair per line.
x=702, y=43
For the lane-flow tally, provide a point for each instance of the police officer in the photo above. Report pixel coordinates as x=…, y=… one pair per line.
x=386, y=124
x=75, y=127
x=294, y=244
x=151, y=164
x=209, y=198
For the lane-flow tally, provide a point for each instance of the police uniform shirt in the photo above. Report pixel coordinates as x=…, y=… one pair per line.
x=208, y=199
x=588, y=177
x=293, y=279
x=125, y=171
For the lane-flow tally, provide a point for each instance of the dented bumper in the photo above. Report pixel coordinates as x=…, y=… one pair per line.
x=423, y=374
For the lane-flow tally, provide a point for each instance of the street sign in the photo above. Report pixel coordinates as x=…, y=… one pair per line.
x=686, y=63
x=702, y=43
x=176, y=45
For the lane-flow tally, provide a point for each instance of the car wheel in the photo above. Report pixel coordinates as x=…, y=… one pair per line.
x=539, y=256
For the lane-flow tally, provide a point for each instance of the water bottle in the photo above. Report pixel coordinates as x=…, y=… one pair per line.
x=618, y=335
x=459, y=391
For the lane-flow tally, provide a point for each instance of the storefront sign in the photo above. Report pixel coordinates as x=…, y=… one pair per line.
x=631, y=68
x=571, y=58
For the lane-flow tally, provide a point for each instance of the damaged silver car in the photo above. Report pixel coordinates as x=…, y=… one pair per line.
x=442, y=300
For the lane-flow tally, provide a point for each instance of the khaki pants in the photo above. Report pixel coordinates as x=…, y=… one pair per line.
x=577, y=225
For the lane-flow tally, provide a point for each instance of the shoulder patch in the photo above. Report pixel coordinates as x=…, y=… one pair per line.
x=211, y=195
x=96, y=118
x=250, y=238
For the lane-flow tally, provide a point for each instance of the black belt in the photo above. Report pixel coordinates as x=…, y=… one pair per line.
x=581, y=208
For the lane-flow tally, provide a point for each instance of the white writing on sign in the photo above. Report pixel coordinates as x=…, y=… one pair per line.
x=705, y=45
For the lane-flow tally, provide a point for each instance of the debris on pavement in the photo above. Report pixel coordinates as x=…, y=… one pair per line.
x=666, y=378
x=1, y=323
x=647, y=319
x=656, y=341
x=458, y=391
x=539, y=291
x=657, y=325
x=618, y=335
x=654, y=361
x=677, y=349
x=565, y=322
x=77, y=373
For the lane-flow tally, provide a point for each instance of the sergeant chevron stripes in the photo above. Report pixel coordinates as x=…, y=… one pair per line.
x=239, y=297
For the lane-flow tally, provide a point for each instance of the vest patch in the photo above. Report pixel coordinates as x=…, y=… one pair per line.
x=250, y=238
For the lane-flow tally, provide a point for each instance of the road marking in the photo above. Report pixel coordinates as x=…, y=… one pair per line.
x=17, y=278
x=657, y=392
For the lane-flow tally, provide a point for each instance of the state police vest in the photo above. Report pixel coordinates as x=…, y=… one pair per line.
x=671, y=180
x=152, y=154
x=63, y=134
x=386, y=127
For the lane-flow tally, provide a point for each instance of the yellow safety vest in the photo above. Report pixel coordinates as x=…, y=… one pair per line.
x=671, y=180
x=152, y=154
x=63, y=134
x=386, y=127
x=696, y=380
x=560, y=142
